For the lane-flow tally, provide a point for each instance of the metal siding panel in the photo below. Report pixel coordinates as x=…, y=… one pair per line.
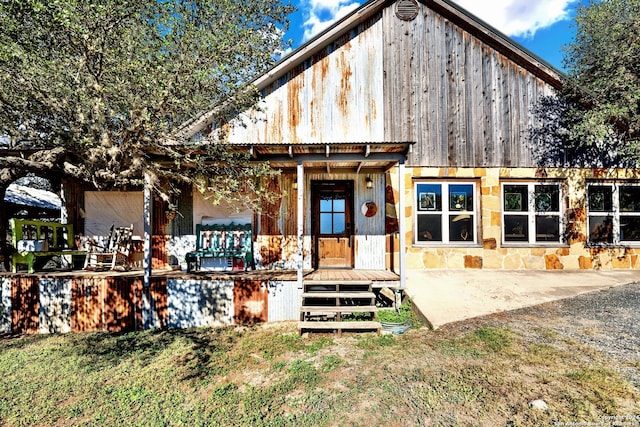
x=370, y=252
x=5, y=304
x=284, y=301
x=55, y=305
x=334, y=97
x=24, y=305
x=250, y=301
x=196, y=303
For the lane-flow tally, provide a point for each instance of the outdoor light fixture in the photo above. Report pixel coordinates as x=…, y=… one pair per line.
x=294, y=185
x=368, y=182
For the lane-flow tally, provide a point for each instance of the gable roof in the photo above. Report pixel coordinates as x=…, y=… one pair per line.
x=459, y=16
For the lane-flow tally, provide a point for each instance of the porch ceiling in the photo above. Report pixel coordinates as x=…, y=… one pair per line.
x=331, y=155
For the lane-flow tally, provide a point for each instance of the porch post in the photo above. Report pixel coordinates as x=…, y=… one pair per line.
x=402, y=225
x=147, y=264
x=300, y=181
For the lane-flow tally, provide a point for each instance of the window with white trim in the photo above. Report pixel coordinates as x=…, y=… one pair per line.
x=613, y=213
x=446, y=213
x=531, y=213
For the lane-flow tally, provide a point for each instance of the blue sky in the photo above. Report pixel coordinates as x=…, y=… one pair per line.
x=541, y=26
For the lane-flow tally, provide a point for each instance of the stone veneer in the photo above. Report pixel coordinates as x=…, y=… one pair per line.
x=489, y=253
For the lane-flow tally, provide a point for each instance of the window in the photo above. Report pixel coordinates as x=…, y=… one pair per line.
x=531, y=213
x=445, y=212
x=613, y=213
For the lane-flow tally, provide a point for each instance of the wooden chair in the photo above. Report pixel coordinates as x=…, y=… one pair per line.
x=115, y=252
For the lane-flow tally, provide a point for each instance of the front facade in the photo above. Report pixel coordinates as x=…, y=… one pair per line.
x=405, y=128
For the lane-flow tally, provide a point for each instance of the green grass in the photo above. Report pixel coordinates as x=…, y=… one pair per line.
x=481, y=375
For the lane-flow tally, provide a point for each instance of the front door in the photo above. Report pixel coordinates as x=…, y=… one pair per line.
x=332, y=223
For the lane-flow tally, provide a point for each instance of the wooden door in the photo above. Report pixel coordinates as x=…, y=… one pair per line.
x=332, y=223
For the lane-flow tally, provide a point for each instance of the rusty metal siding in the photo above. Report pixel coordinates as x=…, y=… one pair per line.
x=5, y=305
x=284, y=301
x=196, y=303
x=114, y=304
x=462, y=101
x=25, y=304
x=250, y=301
x=333, y=96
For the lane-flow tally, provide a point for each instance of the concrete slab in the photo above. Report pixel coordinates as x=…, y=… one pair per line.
x=446, y=296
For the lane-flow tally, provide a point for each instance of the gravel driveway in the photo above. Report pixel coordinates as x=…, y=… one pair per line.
x=608, y=321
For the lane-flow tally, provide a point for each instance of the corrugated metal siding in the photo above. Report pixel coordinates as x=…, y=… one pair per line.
x=333, y=96
x=55, y=305
x=5, y=305
x=115, y=304
x=25, y=302
x=284, y=301
x=250, y=301
x=370, y=252
x=464, y=103
x=196, y=303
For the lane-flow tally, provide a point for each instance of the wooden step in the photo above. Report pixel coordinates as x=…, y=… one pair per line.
x=338, y=282
x=337, y=286
x=339, y=309
x=339, y=326
x=333, y=294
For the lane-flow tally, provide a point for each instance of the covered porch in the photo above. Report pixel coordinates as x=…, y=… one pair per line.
x=338, y=213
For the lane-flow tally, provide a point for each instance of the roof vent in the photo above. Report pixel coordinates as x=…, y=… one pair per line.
x=407, y=10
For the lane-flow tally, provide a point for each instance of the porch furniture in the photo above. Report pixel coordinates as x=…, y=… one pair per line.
x=324, y=302
x=114, y=252
x=34, y=239
x=230, y=244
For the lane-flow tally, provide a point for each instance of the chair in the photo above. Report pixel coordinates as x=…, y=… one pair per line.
x=115, y=252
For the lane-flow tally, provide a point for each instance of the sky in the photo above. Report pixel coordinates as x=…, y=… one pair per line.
x=541, y=26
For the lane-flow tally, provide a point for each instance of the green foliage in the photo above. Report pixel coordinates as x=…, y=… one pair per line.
x=103, y=87
x=603, y=85
x=404, y=314
x=494, y=338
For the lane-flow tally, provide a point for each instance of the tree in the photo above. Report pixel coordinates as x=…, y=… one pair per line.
x=96, y=91
x=600, y=102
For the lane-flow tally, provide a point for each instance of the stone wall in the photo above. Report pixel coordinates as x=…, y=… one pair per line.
x=489, y=252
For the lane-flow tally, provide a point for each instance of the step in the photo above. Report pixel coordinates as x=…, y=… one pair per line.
x=338, y=282
x=333, y=294
x=338, y=286
x=340, y=326
x=339, y=309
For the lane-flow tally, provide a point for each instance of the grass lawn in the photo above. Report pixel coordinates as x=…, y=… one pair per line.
x=475, y=373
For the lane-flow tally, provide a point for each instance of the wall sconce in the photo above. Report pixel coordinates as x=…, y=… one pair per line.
x=294, y=185
x=368, y=182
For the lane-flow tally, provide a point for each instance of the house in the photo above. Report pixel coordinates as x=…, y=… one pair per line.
x=404, y=128
x=401, y=137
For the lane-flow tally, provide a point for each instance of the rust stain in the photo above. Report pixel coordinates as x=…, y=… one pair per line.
x=275, y=122
x=250, y=299
x=271, y=209
x=344, y=67
x=294, y=87
x=25, y=305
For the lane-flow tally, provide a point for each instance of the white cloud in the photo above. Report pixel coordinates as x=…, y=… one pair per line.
x=322, y=13
x=519, y=17
x=512, y=17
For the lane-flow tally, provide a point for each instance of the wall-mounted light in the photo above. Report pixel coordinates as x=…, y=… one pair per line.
x=294, y=185
x=368, y=182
